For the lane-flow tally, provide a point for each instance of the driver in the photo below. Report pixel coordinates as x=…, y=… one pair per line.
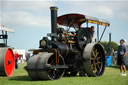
x=92, y=33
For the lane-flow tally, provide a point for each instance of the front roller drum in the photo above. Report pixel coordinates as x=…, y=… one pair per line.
x=7, y=61
x=94, y=59
x=44, y=67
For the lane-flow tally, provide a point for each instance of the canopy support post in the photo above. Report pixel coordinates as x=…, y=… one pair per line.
x=87, y=23
x=102, y=33
x=110, y=45
x=97, y=32
x=6, y=38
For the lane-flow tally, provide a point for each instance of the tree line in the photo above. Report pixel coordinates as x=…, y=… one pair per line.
x=106, y=45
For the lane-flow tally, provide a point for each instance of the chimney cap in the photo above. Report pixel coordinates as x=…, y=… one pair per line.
x=53, y=7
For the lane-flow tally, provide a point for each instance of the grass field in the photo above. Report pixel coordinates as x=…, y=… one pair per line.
x=110, y=77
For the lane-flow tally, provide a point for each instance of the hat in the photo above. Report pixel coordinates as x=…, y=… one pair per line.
x=92, y=26
x=122, y=40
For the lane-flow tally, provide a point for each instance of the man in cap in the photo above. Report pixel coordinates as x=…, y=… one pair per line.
x=121, y=57
x=16, y=59
x=92, y=33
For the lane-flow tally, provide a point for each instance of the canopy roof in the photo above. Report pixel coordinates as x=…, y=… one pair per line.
x=6, y=29
x=77, y=19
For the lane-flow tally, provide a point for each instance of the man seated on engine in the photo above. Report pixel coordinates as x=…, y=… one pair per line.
x=91, y=30
x=92, y=33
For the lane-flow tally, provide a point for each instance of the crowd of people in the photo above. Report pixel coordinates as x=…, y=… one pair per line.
x=19, y=58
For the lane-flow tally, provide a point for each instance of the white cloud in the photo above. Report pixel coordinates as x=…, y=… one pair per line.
x=36, y=13
x=101, y=9
x=25, y=19
x=90, y=8
x=105, y=11
x=26, y=5
x=123, y=16
x=65, y=0
x=26, y=14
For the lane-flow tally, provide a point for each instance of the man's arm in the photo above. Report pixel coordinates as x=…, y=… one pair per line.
x=125, y=54
x=125, y=51
x=92, y=37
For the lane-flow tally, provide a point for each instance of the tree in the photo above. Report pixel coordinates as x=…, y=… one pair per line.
x=107, y=46
x=114, y=45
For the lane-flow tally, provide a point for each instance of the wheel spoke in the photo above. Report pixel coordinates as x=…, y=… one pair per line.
x=92, y=65
x=92, y=58
x=98, y=57
x=99, y=62
x=94, y=69
x=97, y=65
x=93, y=53
x=96, y=50
x=97, y=53
x=95, y=60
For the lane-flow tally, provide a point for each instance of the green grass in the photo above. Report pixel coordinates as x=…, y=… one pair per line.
x=110, y=77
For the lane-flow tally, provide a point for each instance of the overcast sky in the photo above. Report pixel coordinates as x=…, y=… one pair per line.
x=31, y=18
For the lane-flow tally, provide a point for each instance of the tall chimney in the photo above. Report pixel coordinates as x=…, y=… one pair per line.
x=53, y=19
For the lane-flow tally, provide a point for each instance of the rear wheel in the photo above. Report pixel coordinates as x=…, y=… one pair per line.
x=95, y=59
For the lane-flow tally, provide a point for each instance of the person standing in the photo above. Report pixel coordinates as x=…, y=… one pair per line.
x=113, y=56
x=121, y=57
x=16, y=59
x=27, y=56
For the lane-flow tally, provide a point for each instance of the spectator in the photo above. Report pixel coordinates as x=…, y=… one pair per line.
x=16, y=59
x=27, y=56
x=121, y=57
x=113, y=56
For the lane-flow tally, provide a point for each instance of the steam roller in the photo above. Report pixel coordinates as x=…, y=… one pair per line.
x=66, y=52
x=7, y=60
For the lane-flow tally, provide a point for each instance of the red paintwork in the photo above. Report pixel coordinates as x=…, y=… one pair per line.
x=66, y=19
x=9, y=56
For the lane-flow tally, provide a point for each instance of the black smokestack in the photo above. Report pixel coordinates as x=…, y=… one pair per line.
x=53, y=19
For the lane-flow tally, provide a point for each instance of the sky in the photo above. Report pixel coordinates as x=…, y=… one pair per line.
x=31, y=18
